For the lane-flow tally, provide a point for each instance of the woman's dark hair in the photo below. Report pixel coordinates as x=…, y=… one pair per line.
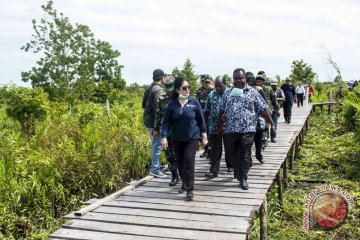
x=177, y=85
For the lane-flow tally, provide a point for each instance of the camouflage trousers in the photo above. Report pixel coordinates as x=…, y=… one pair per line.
x=170, y=158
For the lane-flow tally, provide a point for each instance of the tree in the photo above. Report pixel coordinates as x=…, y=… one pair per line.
x=279, y=80
x=73, y=63
x=188, y=73
x=227, y=79
x=28, y=106
x=302, y=71
x=331, y=61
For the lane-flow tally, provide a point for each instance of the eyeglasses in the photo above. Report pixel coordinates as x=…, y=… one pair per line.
x=184, y=88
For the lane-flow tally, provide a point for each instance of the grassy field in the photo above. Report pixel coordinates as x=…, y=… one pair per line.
x=330, y=152
x=69, y=158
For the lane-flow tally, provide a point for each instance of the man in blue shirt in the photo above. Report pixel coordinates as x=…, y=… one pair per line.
x=289, y=92
x=211, y=113
x=238, y=112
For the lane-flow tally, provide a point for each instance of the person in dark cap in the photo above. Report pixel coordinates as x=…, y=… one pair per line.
x=201, y=95
x=271, y=101
x=238, y=114
x=262, y=73
x=260, y=126
x=289, y=92
x=165, y=99
x=151, y=96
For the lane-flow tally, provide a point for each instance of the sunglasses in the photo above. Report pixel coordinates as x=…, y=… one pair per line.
x=184, y=88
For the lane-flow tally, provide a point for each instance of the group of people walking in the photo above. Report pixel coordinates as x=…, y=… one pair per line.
x=222, y=114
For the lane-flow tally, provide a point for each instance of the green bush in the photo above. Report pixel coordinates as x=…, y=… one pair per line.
x=28, y=106
x=68, y=159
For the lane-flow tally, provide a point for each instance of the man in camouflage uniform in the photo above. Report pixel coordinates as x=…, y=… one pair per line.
x=271, y=101
x=160, y=109
x=201, y=95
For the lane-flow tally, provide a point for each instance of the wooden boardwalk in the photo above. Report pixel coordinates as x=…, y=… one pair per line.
x=220, y=209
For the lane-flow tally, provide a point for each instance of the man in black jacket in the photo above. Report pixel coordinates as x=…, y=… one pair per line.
x=289, y=92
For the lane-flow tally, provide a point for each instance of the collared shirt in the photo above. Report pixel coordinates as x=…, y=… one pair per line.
x=289, y=91
x=185, y=122
x=212, y=106
x=300, y=90
x=241, y=108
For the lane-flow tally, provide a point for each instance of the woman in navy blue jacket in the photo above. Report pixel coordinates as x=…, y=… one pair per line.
x=184, y=118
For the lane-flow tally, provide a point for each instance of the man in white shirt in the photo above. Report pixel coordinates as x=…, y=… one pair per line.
x=300, y=91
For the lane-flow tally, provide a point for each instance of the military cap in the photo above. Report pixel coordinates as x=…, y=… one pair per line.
x=168, y=83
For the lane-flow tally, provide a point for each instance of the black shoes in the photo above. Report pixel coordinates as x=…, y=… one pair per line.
x=189, y=195
x=243, y=184
x=273, y=140
x=174, y=181
x=211, y=175
x=260, y=159
x=229, y=169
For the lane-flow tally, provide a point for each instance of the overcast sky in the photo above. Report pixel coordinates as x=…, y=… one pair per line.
x=218, y=36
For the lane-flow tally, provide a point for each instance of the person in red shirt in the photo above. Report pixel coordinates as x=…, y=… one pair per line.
x=311, y=91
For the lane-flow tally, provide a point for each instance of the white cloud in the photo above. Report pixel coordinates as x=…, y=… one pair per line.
x=217, y=35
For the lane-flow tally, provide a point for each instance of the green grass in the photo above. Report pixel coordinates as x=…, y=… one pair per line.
x=329, y=153
x=69, y=159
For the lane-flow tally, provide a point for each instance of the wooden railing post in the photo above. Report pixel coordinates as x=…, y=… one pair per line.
x=297, y=147
x=280, y=189
x=263, y=219
x=285, y=173
x=292, y=156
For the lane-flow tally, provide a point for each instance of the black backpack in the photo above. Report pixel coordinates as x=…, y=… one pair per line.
x=148, y=99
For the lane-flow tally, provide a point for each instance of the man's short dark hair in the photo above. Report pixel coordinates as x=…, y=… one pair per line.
x=158, y=74
x=238, y=70
x=261, y=73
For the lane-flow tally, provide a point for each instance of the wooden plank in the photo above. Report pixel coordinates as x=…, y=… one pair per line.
x=181, y=202
x=113, y=196
x=219, y=180
x=168, y=215
x=202, y=199
x=143, y=232
x=230, y=187
x=89, y=234
x=241, y=193
x=186, y=209
x=229, y=227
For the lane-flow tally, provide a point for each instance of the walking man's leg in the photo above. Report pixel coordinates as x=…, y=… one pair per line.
x=289, y=110
x=155, y=155
x=274, y=117
x=231, y=146
x=170, y=157
x=216, y=152
x=245, y=158
x=285, y=106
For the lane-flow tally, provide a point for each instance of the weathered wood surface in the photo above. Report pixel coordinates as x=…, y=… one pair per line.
x=220, y=209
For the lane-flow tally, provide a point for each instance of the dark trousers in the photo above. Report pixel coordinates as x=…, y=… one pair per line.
x=216, y=153
x=287, y=109
x=258, y=143
x=170, y=158
x=274, y=117
x=185, y=162
x=300, y=99
x=239, y=147
x=309, y=97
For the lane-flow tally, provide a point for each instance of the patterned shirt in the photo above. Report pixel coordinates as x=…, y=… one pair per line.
x=212, y=106
x=240, y=107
